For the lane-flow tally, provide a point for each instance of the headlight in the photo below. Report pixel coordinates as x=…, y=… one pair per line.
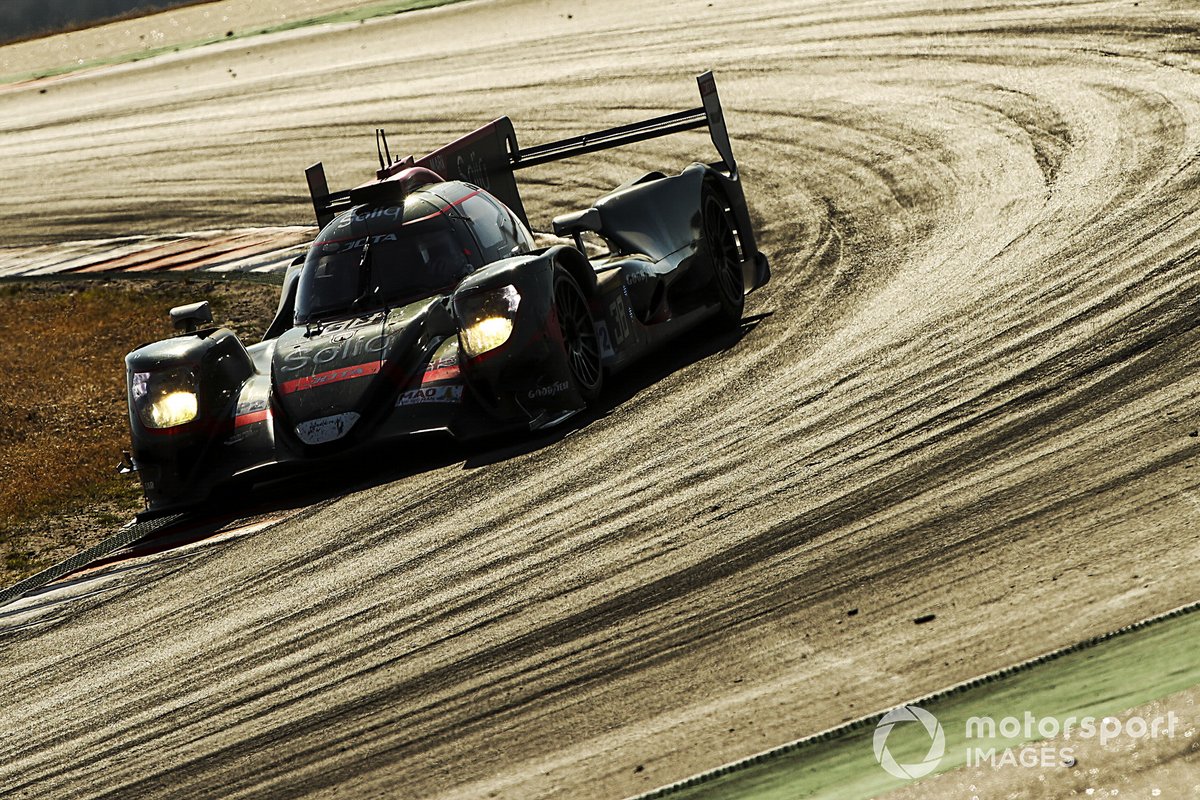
x=487, y=319
x=486, y=334
x=164, y=399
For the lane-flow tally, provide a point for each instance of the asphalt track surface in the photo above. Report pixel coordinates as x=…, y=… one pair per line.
x=969, y=391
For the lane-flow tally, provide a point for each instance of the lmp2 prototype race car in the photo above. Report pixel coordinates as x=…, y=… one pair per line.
x=425, y=306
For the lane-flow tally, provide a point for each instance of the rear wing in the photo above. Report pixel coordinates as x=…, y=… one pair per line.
x=489, y=157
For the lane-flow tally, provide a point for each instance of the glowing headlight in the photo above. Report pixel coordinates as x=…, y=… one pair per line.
x=486, y=334
x=164, y=399
x=173, y=409
x=487, y=319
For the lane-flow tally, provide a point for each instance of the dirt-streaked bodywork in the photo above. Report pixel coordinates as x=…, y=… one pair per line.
x=385, y=368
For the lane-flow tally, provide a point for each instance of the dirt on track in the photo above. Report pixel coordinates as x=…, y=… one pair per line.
x=968, y=392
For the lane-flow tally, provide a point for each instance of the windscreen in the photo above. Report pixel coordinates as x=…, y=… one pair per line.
x=363, y=268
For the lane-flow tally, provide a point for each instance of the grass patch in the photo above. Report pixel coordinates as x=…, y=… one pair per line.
x=63, y=415
x=381, y=9
x=1107, y=679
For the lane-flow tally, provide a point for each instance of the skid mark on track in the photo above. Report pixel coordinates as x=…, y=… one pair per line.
x=121, y=569
x=969, y=394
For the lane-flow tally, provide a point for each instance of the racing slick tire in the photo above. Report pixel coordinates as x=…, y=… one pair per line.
x=578, y=330
x=721, y=243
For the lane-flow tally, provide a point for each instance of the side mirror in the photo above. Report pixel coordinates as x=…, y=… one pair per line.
x=575, y=223
x=190, y=317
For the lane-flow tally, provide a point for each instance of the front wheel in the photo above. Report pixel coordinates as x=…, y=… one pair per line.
x=721, y=242
x=578, y=331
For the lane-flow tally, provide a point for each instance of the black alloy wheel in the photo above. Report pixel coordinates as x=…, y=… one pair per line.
x=721, y=241
x=578, y=335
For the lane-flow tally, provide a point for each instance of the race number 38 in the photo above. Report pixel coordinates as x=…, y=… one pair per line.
x=620, y=317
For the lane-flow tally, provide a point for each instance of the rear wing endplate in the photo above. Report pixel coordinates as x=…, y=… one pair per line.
x=489, y=157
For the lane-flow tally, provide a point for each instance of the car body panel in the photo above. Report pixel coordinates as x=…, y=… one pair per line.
x=369, y=343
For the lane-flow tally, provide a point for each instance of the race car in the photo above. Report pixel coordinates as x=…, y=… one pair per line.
x=427, y=306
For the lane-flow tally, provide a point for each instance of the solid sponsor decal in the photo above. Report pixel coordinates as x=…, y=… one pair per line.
x=250, y=406
x=395, y=213
x=339, y=349
x=392, y=212
x=355, y=322
x=443, y=373
x=358, y=244
x=257, y=404
x=326, y=429
x=431, y=394
x=472, y=169
x=330, y=377
x=442, y=363
x=251, y=417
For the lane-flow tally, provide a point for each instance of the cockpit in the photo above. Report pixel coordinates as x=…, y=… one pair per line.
x=367, y=259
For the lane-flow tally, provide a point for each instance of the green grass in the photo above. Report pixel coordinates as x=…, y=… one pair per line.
x=1105, y=680
x=381, y=9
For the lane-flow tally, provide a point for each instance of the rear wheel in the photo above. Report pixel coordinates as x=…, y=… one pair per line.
x=721, y=241
x=578, y=335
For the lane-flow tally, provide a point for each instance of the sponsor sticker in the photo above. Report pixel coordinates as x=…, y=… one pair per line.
x=431, y=394
x=547, y=391
x=442, y=363
x=326, y=429
x=473, y=169
x=393, y=212
x=251, y=406
x=441, y=369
